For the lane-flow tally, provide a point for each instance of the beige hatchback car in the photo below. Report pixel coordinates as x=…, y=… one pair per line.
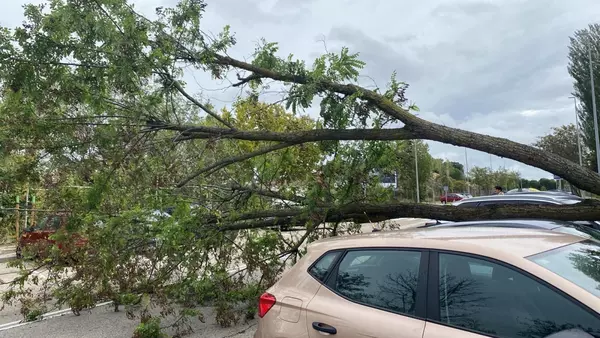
x=439, y=283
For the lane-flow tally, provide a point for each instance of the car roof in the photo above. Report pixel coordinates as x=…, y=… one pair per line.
x=515, y=223
x=522, y=197
x=494, y=242
x=551, y=194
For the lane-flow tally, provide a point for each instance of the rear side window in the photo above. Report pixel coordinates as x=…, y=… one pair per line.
x=322, y=265
x=486, y=203
x=384, y=279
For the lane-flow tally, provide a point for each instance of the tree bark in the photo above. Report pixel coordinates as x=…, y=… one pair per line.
x=584, y=211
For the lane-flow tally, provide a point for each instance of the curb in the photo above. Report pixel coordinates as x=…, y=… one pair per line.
x=43, y=317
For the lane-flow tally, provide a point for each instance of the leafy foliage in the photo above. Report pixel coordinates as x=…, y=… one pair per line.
x=173, y=202
x=563, y=141
x=583, y=42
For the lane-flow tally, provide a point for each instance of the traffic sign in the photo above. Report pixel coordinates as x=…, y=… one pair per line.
x=556, y=177
x=446, y=188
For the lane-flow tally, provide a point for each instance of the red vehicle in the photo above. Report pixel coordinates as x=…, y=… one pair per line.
x=452, y=197
x=38, y=237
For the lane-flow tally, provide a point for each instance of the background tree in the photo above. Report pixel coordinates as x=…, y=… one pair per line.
x=583, y=41
x=457, y=171
x=562, y=141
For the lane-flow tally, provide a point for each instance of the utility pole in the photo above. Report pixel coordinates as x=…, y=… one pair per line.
x=26, y=208
x=17, y=215
x=577, y=129
x=395, y=184
x=594, y=110
x=467, y=172
x=417, y=171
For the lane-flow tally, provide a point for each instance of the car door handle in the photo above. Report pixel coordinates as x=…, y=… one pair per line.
x=324, y=328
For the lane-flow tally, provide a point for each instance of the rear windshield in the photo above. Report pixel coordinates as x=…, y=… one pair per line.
x=578, y=263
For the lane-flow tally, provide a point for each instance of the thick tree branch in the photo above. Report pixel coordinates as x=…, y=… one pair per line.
x=380, y=212
x=295, y=137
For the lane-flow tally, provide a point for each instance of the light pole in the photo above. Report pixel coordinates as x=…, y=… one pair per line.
x=577, y=130
x=467, y=172
x=417, y=171
x=594, y=111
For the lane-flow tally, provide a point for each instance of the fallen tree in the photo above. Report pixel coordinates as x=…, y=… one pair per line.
x=94, y=90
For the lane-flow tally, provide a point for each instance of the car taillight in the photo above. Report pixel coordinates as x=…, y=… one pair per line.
x=265, y=303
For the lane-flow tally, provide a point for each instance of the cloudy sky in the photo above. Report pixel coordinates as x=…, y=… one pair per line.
x=497, y=67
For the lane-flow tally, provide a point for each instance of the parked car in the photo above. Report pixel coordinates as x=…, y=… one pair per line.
x=529, y=198
x=573, y=228
x=557, y=194
x=437, y=283
x=38, y=237
x=521, y=198
x=518, y=190
x=451, y=197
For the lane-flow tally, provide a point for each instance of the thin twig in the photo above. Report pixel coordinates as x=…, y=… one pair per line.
x=231, y=160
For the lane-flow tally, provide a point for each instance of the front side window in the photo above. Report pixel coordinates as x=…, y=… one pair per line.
x=578, y=263
x=385, y=279
x=493, y=299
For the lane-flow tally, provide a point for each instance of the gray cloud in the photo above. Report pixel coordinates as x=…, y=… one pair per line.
x=381, y=60
x=252, y=14
x=464, y=8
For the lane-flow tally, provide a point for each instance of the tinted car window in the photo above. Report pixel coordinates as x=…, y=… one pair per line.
x=467, y=204
x=486, y=203
x=492, y=299
x=385, y=279
x=530, y=202
x=321, y=267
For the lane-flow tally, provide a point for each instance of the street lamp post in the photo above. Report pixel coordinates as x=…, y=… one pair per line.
x=594, y=110
x=577, y=130
x=417, y=171
x=467, y=172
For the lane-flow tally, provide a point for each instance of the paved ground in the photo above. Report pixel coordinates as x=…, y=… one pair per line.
x=103, y=322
